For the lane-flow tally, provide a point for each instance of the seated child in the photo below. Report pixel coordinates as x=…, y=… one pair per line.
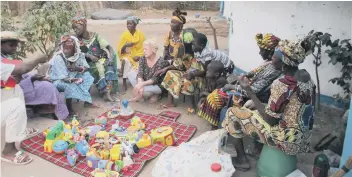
x=213, y=98
x=206, y=54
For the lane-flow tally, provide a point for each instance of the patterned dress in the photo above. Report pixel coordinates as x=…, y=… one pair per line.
x=59, y=71
x=178, y=48
x=105, y=76
x=175, y=82
x=292, y=104
x=145, y=72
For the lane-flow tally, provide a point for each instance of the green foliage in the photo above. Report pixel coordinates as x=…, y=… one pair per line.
x=7, y=22
x=339, y=52
x=45, y=22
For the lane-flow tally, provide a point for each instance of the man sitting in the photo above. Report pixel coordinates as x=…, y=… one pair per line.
x=13, y=110
x=206, y=54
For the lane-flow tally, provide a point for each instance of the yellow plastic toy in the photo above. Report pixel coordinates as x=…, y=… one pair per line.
x=52, y=135
x=145, y=141
x=75, y=124
x=115, y=152
x=163, y=135
x=104, y=173
x=136, y=124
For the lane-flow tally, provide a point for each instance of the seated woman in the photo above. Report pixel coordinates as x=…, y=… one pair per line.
x=178, y=41
x=184, y=76
x=286, y=122
x=145, y=83
x=100, y=56
x=130, y=48
x=69, y=72
x=261, y=78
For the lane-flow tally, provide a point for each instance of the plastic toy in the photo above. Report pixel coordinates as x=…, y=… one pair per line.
x=60, y=146
x=129, y=149
x=215, y=167
x=163, y=135
x=72, y=157
x=115, y=152
x=101, y=120
x=190, y=111
x=92, y=158
x=126, y=111
x=115, y=165
x=113, y=113
x=93, y=130
x=102, y=164
x=55, y=133
x=75, y=124
x=67, y=136
x=145, y=141
x=136, y=124
x=82, y=147
x=104, y=173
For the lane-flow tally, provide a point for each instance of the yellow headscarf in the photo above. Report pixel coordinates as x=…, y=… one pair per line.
x=267, y=42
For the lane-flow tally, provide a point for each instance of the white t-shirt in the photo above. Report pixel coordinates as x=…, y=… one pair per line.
x=209, y=54
x=6, y=70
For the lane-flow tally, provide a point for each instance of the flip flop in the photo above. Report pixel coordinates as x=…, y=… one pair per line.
x=30, y=132
x=19, y=158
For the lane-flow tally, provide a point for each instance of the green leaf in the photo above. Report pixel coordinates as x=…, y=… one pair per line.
x=333, y=59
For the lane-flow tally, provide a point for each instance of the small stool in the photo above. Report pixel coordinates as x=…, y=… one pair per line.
x=275, y=163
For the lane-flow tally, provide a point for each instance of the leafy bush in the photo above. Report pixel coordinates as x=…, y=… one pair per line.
x=45, y=22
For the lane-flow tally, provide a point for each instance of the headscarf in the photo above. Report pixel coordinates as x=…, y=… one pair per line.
x=79, y=20
x=291, y=52
x=70, y=40
x=135, y=19
x=267, y=42
x=179, y=16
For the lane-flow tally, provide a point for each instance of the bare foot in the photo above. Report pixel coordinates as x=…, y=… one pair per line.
x=136, y=98
x=165, y=106
x=91, y=105
x=107, y=97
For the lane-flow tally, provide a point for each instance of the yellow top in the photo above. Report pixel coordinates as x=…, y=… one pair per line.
x=136, y=50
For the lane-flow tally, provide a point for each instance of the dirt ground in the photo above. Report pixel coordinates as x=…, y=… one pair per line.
x=326, y=119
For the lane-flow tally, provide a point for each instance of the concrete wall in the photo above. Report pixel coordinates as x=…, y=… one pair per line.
x=290, y=20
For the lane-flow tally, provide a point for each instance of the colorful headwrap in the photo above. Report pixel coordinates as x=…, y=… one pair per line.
x=291, y=52
x=267, y=42
x=67, y=39
x=135, y=19
x=179, y=16
x=79, y=20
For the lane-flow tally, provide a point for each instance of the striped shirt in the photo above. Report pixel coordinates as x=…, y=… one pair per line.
x=209, y=54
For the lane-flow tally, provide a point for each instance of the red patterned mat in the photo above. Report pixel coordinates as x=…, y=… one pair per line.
x=182, y=132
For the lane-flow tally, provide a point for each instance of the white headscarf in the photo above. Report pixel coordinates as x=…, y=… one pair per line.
x=77, y=51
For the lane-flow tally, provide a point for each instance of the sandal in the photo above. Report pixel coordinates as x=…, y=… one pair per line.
x=30, y=132
x=19, y=159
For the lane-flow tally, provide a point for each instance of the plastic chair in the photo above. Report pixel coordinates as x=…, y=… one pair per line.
x=275, y=163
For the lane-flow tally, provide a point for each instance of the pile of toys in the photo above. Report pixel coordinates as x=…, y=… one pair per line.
x=107, y=152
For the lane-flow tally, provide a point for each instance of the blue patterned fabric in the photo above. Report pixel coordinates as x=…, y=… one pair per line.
x=59, y=71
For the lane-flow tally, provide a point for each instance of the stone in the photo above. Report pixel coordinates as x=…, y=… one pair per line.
x=110, y=14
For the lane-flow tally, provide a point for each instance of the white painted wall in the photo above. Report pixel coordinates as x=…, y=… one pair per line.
x=287, y=20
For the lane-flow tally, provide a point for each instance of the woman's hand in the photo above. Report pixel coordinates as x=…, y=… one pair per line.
x=128, y=44
x=160, y=72
x=244, y=82
x=37, y=78
x=189, y=76
x=228, y=87
x=92, y=57
x=136, y=58
x=137, y=88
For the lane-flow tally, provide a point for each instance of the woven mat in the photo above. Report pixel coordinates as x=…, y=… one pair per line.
x=182, y=132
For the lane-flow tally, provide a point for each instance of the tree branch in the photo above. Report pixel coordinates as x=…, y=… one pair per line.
x=214, y=32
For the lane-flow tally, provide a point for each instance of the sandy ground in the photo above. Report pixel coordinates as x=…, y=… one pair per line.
x=111, y=31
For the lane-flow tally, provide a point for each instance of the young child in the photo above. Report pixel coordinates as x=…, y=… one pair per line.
x=206, y=54
x=213, y=98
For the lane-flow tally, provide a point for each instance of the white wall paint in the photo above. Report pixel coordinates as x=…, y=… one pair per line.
x=287, y=20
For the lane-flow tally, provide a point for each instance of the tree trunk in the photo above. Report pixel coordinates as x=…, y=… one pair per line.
x=318, y=86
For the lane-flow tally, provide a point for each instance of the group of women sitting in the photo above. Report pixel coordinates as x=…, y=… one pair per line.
x=280, y=97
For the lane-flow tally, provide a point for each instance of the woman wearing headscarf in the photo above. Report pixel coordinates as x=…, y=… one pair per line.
x=286, y=122
x=178, y=41
x=69, y=72
x=130, y=48
x=100, y=56
x=260, y=79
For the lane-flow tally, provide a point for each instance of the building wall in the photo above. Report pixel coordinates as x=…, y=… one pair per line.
x=287, y=20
